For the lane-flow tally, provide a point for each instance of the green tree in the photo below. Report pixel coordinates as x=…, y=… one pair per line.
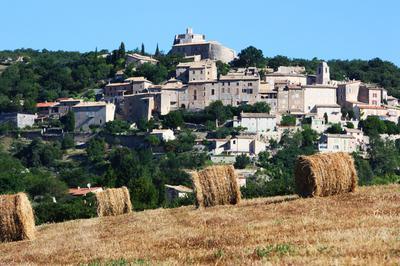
x=67, y=142
x=335, y=129
x=242, y=161
x=383, y=156
x=95, y=150
x=173, y=120
x=288, y=120
x=121, y=50
x=222, y=68
x=326, y=118
x=157, y=53
x=250, y=57
x=373, y=125
x=142, y=51
x=349, y=125
x=68, y=121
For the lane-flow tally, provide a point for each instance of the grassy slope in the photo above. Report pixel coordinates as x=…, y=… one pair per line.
x=360, y=228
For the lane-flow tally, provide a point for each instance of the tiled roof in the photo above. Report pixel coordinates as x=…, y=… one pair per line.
x=256, y=115
x=46, y=104
x=83, y=191
x=89, y=104
x=180, y=188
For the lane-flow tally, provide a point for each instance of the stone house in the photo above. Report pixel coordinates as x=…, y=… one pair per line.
x=337, y=143
x=138, y=59
x=92, y=114
x=259, y=123
x=18, y=120
x=204, y=70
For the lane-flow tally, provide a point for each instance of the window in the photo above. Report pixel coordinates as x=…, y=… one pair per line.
x=237, y=83
x=234, y=141
x=201, y=71
x=229, y=84
x=223, y=90
x=212, y=92
x=195, y=95
x=223, y=83
x=194, y=72
x=250, y=84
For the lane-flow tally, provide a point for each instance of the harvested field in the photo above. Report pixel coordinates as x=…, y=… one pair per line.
x=360, y=228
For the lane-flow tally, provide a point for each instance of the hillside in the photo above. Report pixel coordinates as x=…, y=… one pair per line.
x=360, y=228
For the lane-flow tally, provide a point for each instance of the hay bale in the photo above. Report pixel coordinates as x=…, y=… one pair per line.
x=325, y=174
x=113, y=201
x=216, y=185
x=16, y=218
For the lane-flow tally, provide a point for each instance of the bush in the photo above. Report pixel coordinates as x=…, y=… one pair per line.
x=288, y=120
x=64, y=210
x=242, y=161
x=67, y=142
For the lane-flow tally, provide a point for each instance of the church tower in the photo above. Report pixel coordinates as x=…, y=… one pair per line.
x=323, y=75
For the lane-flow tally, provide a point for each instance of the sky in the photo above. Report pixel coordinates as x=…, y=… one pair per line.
x=327, y=29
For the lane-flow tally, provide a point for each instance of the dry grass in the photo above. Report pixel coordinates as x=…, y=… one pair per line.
x=16, y=218
x=325, y=174
x=216, y=185
x=113, y=201
x=360, y=228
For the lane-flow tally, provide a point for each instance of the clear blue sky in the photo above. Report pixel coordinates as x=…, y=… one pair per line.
x=326, y=29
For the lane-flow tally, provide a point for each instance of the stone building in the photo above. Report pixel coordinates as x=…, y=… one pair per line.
x=318, y=95
x=290, y=99
x=190, y=44
x=258, y=123
x=18, y=120
x=142, y=105
x=138, y=59
x=323, y=74
x=371, y=94
x=337, y=143
x=204, y=70
x=92, y=114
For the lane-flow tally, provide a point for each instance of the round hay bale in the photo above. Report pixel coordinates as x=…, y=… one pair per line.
x=17, y=221
x=216, y=185
x=113, y=201
x=325, y=174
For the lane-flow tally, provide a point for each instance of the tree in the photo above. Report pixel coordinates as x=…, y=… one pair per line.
x=38, y=153
x=242, y=161
x=383, y=156
x=96, y=149
x=121, y=50
x=68, y=121
x=67, y=142
x=155, y=73
x=222, y=68
x=142, y=51
x=116, y=127
x=157, y=53
x=218, y=111
x=153, y=140
x=373, y=125
x=250, y=57
x=288, y=120
x=173, y=120
x=326, y=118
x=349, y=125
x=335, y=129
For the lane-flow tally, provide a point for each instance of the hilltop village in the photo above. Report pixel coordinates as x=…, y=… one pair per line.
x=291, y=94
x=157, y=115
